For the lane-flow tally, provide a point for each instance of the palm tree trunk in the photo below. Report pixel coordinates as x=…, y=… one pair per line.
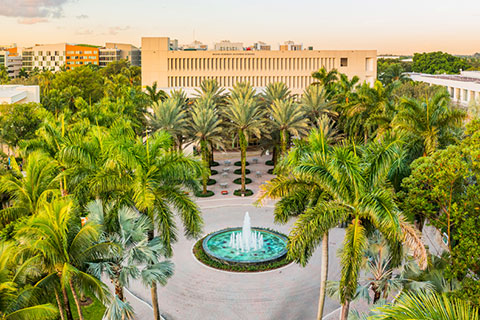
x=345, y=309
x=205, y=160
x=283, y=141
x=243, y=158
x=153, y=288
x=156, y=311
x=68, y=310
x=60, y=306
x=323, y=276
x=119, y=290
x=77, y=301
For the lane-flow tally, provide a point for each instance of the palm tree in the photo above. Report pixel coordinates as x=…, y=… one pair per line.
x=132, y=248
x=28, y=193
x=64, y=247
x=338, y=184
x=346, y=88
x=170, y=116
x=205, y=129
x=211, y=88
x=275, y=91
x=159, y=181
x=289, y=119
x=326, y=79
x=315, y=103
x=429, y=123
x=245, y=119
x=155, y=95
x=423, y=305
x=17, y=301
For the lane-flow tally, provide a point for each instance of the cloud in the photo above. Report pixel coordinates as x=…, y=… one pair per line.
x=82, y=16
x=116, y=30
x=32, y=8
x=32, y=20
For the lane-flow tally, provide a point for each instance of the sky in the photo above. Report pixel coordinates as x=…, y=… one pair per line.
x=390, y=27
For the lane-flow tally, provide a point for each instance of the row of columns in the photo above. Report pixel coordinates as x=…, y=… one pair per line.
x=463, y=95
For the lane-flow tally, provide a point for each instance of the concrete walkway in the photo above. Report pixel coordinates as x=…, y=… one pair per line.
x=199, y=292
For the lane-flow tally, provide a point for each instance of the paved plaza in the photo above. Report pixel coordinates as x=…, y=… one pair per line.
x=200, y=292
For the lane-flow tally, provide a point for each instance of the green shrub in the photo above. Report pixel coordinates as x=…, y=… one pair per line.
x=211, y=182
x=270, y=171
x=208, y=194
x=239, y=163
x=213, y=172
x=269, y=163
x=239, y=171
x=214, y=164
x=247, y=193
x=205, y=259
x=239, y=181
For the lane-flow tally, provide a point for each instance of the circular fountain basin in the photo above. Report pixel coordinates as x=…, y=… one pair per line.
x=216, y=246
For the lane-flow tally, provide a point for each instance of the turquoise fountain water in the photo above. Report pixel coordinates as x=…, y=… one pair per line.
x=245, y=245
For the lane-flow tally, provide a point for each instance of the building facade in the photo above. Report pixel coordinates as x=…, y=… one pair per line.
x=187, y=69
x=119, y=51
x=11, y=60
x=226, y=45
x=464, y=88
x=53, y=57
x=19, y=94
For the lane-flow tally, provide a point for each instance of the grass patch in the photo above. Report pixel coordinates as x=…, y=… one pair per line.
x=239, y=181
x=208, y=194
x=205, y=259
x=270, y=171
x=239, y=171
x=239, y=193
x=211, y=182
x=239, y=163
x=214, y=164
x=213, y=172
x=269, y=163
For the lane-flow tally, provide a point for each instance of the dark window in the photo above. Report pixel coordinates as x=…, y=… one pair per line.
x=343, y=62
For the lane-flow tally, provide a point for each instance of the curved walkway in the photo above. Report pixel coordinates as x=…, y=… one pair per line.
x=200, y=292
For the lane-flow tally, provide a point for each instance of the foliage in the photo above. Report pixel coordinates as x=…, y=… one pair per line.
x=239, y=171
x=240, y=193
x=239, y=181
x=438, y=63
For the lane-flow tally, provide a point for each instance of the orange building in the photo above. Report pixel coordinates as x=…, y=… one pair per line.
x=79, y=55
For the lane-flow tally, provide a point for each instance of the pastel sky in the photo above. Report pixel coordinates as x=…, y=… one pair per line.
x=400, y=27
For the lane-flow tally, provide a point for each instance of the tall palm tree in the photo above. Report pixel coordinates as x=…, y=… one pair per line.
x=315, y=103
x=205, y=129
x=64, y=247
x=154, y=94
x=132, y=249
x=326, y=79
x=245, y=119
x=289, y=119
x=428, y=123
x=275, y=91
x=170, y=116
x=28, y=193
x=159, y=180
x=346, y=88
x=337, y=184
x=211, y=88
x=17, y=301
x=426, y=305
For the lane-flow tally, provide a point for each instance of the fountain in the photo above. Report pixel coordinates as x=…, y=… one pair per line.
x=246, y=245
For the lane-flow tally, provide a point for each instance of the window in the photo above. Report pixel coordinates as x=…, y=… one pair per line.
x=343, y=62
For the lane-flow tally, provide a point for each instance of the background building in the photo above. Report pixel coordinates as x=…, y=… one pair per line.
x=19, y=94
x=464, y=88
x=10, y=59
x=226, y=45
x=291, y=46
x=119, y=51
x=261, y=46
x=187, y=69
x=55, y=56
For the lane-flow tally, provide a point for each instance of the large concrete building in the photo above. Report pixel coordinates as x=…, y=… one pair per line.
x=464, y=88
x=187, y=69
